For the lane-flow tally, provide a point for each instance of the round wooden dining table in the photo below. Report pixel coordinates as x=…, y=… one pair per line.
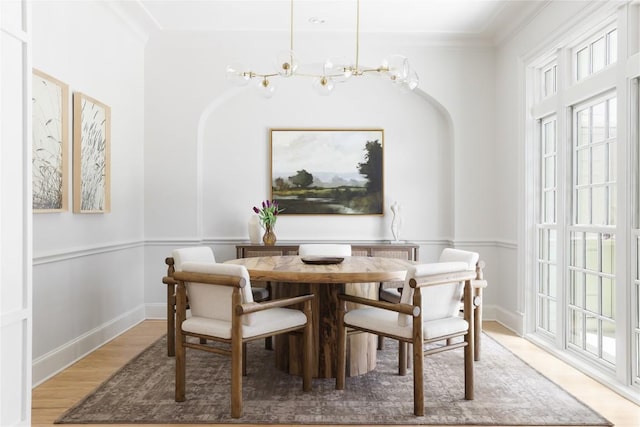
x=290, y=276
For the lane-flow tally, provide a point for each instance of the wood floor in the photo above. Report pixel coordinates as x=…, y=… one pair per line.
x=56, y=395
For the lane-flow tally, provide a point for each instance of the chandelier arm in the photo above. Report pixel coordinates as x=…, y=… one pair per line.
x=291, y=28
x=357, y=34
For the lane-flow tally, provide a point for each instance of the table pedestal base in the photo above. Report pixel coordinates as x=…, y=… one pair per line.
x=361, y=348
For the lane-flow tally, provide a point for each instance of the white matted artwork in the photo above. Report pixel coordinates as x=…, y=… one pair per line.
x=50, y=136
x=91, y=155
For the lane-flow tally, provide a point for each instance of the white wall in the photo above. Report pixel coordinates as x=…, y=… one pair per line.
x=207, y=155
x=88, y=268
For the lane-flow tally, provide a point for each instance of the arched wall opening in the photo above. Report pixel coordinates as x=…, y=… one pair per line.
x=234, y=158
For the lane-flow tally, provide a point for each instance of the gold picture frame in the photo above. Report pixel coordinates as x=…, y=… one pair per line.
x=328, y=171
x=91, y=155
x=50, y=143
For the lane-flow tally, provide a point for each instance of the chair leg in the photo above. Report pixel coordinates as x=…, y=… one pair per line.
x=342, y=349
x=171, y=321
x=268, y=343
x=244, y=359
x=402, y=358
x=180, y=355
x=307, y=336
x=477, y=324
x=418, y=379
x=236, y=377
x=380, y=342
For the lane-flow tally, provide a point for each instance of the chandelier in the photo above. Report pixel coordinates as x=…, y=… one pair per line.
x=395, y=68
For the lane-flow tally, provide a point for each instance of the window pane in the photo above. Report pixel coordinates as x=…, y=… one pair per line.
x=598, y=122
x=550, y=137
x=592, y=338
x=592, y=259
x=582, y=64
x=583, y=205
x=550, y=172
x=591, y=293
x=599, y=206
x=552, y=317
x=544, y=279
x=582, y=164
x=598, y=55
x=613, y=46
x=552, y=245
x=608, y=254
x=608, y=298
x=549, y=82
x=583, y=127
x=613, y=205
x=599, y=164
x=576, y=327
x=552, y=290
x=609, y=341
x=550, y=207
x=613, y=117
x=613, y=163
x=577, y=249
x=576, y=289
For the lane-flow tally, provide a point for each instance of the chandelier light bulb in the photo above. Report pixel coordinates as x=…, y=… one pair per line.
x=237, y=75
x=396, y=67
x=323, y=85
x=266, y=88
x=286, y=63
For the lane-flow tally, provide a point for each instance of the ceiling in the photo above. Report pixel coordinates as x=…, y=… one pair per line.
x=491, y=20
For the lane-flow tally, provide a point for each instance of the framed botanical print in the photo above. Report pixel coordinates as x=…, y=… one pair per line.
x=327, y=171
x=91, y=155
x=50, y=143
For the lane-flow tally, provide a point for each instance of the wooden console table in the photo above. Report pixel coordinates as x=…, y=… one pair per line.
x=408, y=251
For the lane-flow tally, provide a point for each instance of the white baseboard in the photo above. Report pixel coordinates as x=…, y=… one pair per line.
x=510, y=320
x=156, y=311
x=55, y=361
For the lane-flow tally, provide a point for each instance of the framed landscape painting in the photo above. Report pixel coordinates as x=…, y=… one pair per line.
x=91, y=155
x=50, y=136
x=327, y=171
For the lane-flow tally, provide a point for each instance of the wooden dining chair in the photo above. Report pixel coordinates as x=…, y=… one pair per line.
x=223, y=311
x=174, y=263
x=477, y=284
x=426, y=314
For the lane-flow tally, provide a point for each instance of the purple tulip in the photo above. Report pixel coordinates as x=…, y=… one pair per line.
x=256, y=210
x=268, y=203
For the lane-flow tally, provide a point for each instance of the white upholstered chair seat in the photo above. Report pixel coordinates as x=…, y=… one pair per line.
x=386, y=321
x=263, y=322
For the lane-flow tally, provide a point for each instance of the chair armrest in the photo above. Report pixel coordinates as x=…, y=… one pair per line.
x=398, y=308
x=439, y=279
x=280, y=302
x=168, y=280
x=478, y=284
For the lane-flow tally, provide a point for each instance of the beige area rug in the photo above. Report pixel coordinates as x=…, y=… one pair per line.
x=507, y=392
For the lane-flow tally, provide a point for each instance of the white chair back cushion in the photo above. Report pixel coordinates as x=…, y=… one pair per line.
x=214, y=301
x=457, y=255
x=324, y=249
x=438, y=301
x=192, y=254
